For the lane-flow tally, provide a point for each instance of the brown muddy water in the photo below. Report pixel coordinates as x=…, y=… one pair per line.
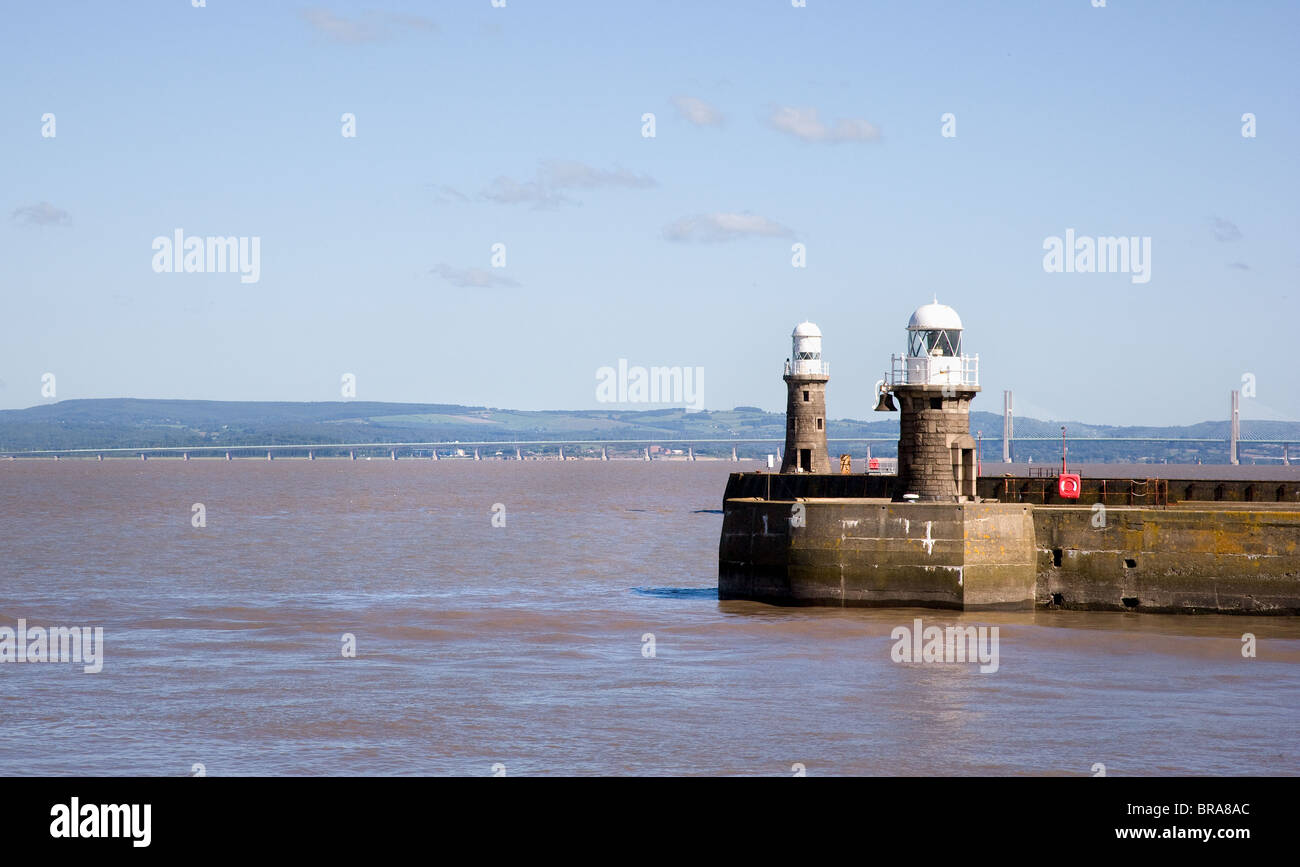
x=522, y=645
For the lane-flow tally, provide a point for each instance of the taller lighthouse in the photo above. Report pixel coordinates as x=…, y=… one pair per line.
x=806, y=375
x=934, y=384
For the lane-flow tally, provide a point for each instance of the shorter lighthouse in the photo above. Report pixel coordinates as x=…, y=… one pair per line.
x=806, y=375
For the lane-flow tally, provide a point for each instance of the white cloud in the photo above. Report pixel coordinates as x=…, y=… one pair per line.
x=1226, y=230
x=367, y=28
x=697, y=111
x=507, y=191
x=712, y=228
x=473, y=278
x=444, y=193
x=553, y=177
x=805, y=123
x=570, y=174
x=42, y=214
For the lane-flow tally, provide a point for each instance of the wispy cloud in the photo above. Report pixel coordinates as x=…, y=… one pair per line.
x=473, y=278
x=1239, y=266
x=508, y=191
x=366, y=28
x=804, y=122
x=42, y=214
x=717, y=227
x=547, y=189
x=444, y=193
x=1226, y=230
x=697, y=111
x=570, y=174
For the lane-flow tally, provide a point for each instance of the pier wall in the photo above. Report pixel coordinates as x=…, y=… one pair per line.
x=1187, y=560
x=866, y=552
x=1039, y=490
x=1237, y=554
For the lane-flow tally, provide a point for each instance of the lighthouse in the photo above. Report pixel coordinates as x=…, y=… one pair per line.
x=810, y=538
x=934, y=384
x=806, y=375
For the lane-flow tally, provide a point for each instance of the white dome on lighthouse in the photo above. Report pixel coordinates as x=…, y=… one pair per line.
x=806, y=349
x=934, y=350
x=934, y=317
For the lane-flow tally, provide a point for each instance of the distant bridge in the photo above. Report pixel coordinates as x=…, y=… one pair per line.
x=557, y=443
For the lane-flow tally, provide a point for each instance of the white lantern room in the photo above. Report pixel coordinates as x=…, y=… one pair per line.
x=934, y=355
x=806, y=351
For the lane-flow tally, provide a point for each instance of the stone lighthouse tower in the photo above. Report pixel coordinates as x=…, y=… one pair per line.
x=805, y=377
x=934, y=384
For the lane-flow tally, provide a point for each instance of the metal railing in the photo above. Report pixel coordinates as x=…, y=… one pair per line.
x=934, y=370
x=1110, y=492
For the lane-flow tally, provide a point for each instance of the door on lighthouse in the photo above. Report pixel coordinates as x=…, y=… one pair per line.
x=805, y=460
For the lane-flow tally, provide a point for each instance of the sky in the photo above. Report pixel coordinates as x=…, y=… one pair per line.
x=774, y=125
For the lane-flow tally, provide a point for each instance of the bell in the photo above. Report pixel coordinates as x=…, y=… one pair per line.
x=884, y=398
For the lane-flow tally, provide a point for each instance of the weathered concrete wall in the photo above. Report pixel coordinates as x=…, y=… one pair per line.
x=1023, y=489
x=998, y=539
x=1191, y=557
x=1190, y=560
x=869, y=552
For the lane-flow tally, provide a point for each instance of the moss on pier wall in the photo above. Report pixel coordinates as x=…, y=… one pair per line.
x=1187, y=559
x=868, y=552
x=1236, y=556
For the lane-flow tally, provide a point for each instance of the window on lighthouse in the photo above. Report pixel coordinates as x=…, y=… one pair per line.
x=938, y=342
x=805, y=397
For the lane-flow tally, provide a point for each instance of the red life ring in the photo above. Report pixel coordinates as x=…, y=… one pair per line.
x=1068, y=485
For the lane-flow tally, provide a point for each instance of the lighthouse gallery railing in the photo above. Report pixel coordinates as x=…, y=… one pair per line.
x=934, y=370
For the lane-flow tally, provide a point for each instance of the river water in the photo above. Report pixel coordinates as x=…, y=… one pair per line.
x=527, y=646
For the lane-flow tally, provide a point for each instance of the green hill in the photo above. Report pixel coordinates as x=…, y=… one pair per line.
x=132, y=423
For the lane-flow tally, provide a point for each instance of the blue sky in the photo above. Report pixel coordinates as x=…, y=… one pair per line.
x=775, y=125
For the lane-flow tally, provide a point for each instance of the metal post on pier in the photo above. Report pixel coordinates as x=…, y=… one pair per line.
x=1234, y=433
x=1007, y=427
